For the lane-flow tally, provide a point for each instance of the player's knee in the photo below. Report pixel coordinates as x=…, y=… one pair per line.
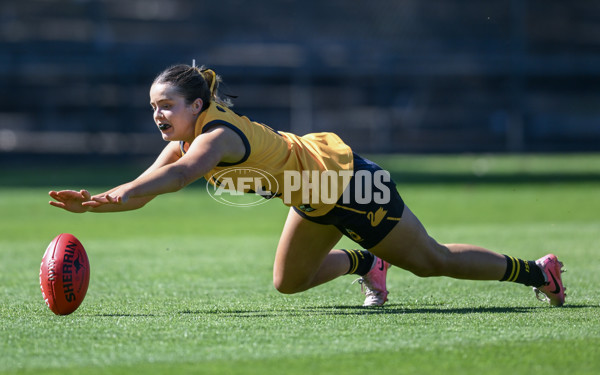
x=425, y=270
x=433, y=263
x=285, y=286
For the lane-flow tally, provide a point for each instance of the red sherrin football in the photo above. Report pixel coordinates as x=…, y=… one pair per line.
x=64, y=274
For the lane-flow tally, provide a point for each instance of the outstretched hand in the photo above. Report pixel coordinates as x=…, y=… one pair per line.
x=82, y=201
x=117, y=196
x=114, y=200
x=70, y=200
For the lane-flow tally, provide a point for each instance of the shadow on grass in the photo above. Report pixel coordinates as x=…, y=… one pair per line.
x=349, y=310
x=122, y=315
x=386, y=310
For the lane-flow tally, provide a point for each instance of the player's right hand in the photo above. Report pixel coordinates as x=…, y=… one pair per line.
x=70, y=200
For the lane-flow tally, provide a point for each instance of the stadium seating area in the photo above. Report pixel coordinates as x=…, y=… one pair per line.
x=389, y=76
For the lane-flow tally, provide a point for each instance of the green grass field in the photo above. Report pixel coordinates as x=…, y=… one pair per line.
x=184, y=285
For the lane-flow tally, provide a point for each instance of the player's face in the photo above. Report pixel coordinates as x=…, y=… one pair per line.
x=174, y=118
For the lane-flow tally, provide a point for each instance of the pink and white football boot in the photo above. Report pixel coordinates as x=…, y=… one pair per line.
x=553, y=291
x=373, y=284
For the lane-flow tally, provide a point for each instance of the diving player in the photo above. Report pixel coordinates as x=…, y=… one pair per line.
x=206, y=137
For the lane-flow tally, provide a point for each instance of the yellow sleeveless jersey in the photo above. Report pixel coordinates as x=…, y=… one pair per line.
x=320, y=162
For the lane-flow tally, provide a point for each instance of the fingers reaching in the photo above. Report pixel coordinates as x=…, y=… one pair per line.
x=66, y=194
x=69, y=200
x=57, y=204
x=82, y=200
x=85, y=194
x=102, y=199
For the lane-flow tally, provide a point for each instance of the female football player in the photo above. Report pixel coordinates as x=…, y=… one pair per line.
x=206, y=137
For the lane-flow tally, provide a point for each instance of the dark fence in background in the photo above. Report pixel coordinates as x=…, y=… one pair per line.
x=388, y=76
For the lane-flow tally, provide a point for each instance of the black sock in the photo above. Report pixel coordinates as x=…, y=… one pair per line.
x=523, y=272
x=361, y=261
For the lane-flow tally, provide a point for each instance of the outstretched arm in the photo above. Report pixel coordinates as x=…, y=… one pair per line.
x=205, y=152
x=72, y=200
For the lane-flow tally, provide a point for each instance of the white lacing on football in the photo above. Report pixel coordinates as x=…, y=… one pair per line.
x=51, y=264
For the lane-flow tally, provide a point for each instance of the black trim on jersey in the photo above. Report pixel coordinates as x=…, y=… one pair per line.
x=214, y=123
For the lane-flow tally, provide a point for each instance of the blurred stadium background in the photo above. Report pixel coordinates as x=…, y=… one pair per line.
x=402, y=76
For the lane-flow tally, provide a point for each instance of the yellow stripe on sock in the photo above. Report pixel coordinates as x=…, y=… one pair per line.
x=518, y=270
x=354, y=264
x=356, y=261
x=513, y=269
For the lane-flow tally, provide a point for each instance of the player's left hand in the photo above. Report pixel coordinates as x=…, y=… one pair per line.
x=119, y=196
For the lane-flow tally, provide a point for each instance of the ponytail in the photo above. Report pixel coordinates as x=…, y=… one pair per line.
x=212, y=80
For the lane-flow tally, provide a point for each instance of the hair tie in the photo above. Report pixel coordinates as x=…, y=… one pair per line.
x=213, y=81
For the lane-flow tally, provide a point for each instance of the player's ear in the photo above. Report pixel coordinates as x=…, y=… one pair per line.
x=197, y=106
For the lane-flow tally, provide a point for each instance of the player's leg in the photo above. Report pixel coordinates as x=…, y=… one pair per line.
x=409, y=246
x=305, y=258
